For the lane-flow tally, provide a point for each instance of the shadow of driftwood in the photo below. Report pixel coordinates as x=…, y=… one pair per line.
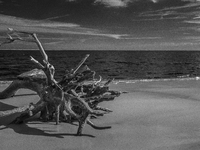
x=4, y=107
x=7, y=119
x=24, y=128
x=24, y=94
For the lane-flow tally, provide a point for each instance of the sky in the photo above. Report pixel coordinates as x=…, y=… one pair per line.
x=104, y=24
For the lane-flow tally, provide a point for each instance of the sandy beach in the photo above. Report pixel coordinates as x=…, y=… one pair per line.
x=157, y=115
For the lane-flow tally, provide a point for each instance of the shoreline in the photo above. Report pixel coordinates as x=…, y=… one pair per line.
x=157, y=115
x=116, y=81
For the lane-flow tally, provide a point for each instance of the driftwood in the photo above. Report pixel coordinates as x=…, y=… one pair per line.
x=71, y=98
x=26, y=108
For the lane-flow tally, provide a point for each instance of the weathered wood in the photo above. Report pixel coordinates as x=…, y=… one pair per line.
x=30, y=113
x=25, y=108
x=70, y=95
x=18, y=84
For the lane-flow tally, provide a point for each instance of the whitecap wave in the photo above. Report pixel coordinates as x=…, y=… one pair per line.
x=181, y=78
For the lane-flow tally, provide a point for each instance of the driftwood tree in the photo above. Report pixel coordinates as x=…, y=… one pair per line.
x=70, y=99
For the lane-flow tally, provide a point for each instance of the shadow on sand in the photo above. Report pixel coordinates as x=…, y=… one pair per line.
x=25, y=128
x=24, y=94
x=4, y=107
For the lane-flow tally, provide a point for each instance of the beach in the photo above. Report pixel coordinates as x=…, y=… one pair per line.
x=148, y=43
x=156, y=115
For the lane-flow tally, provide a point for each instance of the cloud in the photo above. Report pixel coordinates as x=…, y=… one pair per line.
x=54, y=27
x=174, y=12
x=193, y=21
x=155, y=1
x=57, y=25
x=113, y=3
x=143, y=3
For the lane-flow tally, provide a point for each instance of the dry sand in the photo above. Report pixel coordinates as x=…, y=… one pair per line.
x=160, y=115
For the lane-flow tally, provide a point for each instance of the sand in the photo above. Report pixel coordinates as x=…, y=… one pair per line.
x=160, y=115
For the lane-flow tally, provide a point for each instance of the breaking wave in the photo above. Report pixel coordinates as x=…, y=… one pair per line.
x=157, y=80
x=182, y=78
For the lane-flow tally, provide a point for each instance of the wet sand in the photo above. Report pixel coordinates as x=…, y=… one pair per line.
x=159, y=115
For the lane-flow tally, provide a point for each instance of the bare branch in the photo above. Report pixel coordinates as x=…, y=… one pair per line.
x=108, y=82
x=13, y=36
x=48, y=68
x=44, y=55
x=80, y=64
x=13, y=31
x=10, y=39
x=97, y=82
x=36, y=40
x=37, y=62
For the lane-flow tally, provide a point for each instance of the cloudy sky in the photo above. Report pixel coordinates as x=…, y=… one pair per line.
x=105, y=24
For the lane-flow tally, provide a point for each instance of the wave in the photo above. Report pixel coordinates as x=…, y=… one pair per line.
x=181, y=78
x=157, y=80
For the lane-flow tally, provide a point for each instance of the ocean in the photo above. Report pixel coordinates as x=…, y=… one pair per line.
x=120, y=65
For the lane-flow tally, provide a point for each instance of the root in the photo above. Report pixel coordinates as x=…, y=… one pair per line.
x=18, y=84
x=16, y=110
x=97, y=127
x=37, y=108
x=10, y=90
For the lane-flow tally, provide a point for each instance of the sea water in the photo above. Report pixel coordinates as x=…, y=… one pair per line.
x=130, y=66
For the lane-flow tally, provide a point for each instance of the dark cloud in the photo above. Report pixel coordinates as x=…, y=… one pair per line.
x=128, y=3
x=163, y=21
x=85, y=11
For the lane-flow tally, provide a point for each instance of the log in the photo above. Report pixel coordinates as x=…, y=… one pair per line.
x=26, y=108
